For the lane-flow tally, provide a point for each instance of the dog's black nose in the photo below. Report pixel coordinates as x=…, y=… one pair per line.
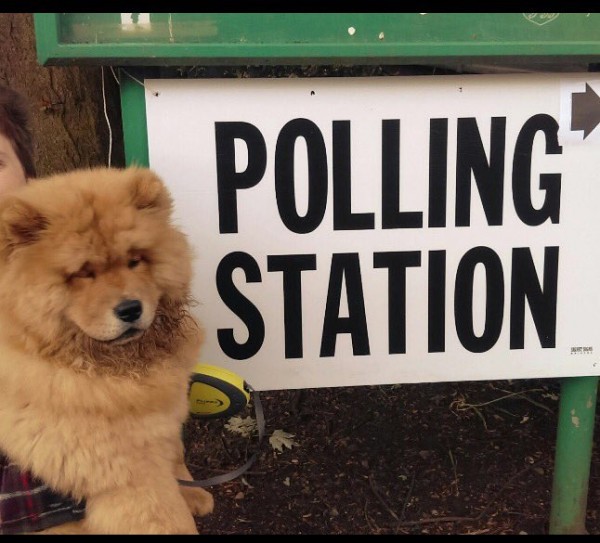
x=129, y=310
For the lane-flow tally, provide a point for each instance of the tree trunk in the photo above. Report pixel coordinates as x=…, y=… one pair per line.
x=67, y=103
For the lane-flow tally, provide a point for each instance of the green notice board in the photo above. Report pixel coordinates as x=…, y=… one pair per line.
x=163, y=39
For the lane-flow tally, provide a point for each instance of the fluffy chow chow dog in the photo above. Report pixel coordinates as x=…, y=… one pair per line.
x=96, y=347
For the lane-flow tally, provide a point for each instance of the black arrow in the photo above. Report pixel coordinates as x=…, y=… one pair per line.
x=585, y=111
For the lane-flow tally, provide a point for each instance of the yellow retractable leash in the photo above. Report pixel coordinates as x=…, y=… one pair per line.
x=216, y=392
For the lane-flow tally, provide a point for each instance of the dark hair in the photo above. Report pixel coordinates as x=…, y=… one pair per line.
x=15, y=125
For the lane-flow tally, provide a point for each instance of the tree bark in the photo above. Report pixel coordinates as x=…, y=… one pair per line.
x=67, y=103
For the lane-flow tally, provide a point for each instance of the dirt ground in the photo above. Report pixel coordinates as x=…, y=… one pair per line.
x=434, y=458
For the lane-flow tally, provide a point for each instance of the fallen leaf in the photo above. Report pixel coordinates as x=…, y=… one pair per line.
x=280, y=439
x=243, y=426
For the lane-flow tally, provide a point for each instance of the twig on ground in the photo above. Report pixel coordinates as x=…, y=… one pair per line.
x=528, y=399
x=435, y=519
x=453, y=462
x=538, y=404
x=368, y=519
x=408, y=494
x=381, y=500
x=460, y=404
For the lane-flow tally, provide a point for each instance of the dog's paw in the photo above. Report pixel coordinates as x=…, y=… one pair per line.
x=200, y=501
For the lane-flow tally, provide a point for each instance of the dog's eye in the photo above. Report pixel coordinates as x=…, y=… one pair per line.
x=85, y=272
x=134, y=261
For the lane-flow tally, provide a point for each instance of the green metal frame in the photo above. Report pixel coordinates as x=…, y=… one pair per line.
x=321, y=38
x=574, y=443
x=133, y=115
x=306, y=38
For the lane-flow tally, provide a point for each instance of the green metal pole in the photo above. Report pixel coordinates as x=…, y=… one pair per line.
x=133, y=114
x=574, y=441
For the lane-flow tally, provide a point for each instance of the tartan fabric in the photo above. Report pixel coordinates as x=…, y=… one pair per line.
x=28, y=505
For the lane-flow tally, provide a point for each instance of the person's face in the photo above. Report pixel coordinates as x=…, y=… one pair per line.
x=12, y=174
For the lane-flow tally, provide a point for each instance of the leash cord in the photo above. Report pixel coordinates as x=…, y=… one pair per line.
x=218, y=479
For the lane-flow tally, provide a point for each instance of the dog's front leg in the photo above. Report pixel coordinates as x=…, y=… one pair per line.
x=157, y=507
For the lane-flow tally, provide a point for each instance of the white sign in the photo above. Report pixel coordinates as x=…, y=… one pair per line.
x=357, y=231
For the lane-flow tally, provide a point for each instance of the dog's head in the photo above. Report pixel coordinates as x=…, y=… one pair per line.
x=92, y=268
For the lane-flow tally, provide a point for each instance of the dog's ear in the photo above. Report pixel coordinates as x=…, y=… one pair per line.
x=20, y=223
x=148, y=190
